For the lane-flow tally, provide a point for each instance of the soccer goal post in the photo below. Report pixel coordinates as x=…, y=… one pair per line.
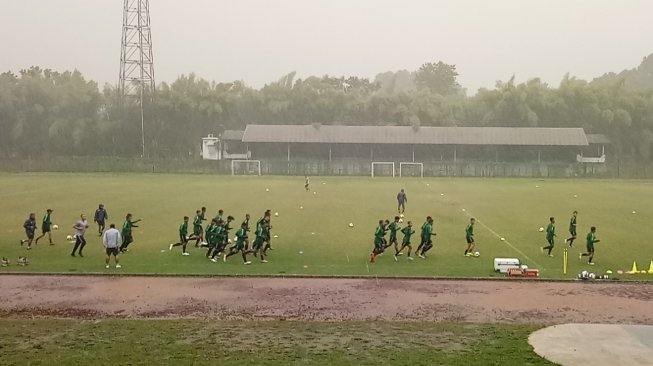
x=245, y=167
x=417, y=165
x=385, y=164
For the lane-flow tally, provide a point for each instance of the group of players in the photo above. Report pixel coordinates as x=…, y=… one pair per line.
x=590, y=239
x=80, y=227
x=425, y=243
x=215, y=237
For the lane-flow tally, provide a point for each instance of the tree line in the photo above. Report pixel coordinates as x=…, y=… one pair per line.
x=45, y=112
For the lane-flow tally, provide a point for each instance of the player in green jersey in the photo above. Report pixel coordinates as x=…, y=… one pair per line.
x=197, y=229
x=259, y=242
x=550, y=234
x=591, y=239
x=127, y=237
x=379, y=244
x=183, y=237
x=394, y=227
x=46, y=227
x=426, y=242
x=572, y=229
x=427, y=235
x=408, y=232
x=239, y=246
x=246, y=223
x=469, y=236
x=215, y=244
x=210, y=236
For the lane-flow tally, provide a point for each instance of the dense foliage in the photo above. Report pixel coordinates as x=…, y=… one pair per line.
x=43, y=112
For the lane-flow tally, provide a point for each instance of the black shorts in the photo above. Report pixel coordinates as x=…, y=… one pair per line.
x=112, y=252
x=470, y=240
x=30, y=234
x=100, y=223
x=45, y=231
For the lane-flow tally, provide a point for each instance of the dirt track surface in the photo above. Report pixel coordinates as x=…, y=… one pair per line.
x=325, y=299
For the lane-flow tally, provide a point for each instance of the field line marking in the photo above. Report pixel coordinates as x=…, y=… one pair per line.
x=368, y=267
x=505, y=241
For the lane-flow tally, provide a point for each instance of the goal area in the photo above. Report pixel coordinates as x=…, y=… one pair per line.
x=245, y=167
x=383, y=169
x=410, y=169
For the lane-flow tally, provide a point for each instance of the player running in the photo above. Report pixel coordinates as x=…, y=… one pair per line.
x=378, y=241
x=469, y=236
x=427, y=241
x=572, y=229
x=306, y=184
x=239, y=246
x=80, y=229
x=127, y=237
x=591, y=239
x=394, y=227
x=408, y=232
x=30, y=228
x=259, y=243
x=197, y=229
x=246, y=223
x=46, y=227
x=550, y=234
x=183, y=237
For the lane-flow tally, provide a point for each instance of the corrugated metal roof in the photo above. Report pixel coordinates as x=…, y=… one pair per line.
x=231, y=135
x=597, y=139
x=421, y=136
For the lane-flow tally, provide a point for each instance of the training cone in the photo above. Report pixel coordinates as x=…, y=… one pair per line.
x=634, y=270
x=650, y=268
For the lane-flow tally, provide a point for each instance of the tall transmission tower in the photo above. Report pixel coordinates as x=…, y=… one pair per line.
x=136, y=60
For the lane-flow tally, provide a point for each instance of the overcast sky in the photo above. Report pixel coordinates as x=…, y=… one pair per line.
x=260, y=40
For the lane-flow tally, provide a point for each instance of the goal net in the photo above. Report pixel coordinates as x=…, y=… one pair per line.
x=411, y=169
x=245, y=167
x=383, y=169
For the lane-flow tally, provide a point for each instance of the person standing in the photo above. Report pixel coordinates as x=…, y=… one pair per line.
x=183, y=237
x=401, y=201
x=591, y=239
x=469, y=236
x=112, y=241
x=80, y=229
x=46, y=227
x=100, y=218
x=30, y=228
x=306, y=184
x=572, y=229
x=127, y=237
x=550, y=234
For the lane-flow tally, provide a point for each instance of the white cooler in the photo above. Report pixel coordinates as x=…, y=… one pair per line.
x=502, y=264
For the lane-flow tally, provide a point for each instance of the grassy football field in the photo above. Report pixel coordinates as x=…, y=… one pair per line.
x=316, y=225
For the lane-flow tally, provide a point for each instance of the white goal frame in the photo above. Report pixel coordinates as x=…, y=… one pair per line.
x=383, y=163
x=420, y=165
x=233, y=165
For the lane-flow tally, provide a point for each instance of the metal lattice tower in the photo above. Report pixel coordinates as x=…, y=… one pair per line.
x=136, y=60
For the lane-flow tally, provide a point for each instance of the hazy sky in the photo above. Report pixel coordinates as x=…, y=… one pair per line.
x=260, y=40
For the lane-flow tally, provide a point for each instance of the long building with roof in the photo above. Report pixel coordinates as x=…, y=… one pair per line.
x=319, y=144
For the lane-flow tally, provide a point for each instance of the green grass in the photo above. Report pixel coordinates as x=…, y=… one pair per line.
x=512, y=208
x=197, y=342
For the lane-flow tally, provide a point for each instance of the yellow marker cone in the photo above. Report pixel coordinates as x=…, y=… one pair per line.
x=650, y=268
x=634, y=270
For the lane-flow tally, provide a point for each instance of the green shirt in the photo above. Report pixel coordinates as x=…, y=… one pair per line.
x=591, y=238
x=379, y=233
x=197, y=221
x=241, y=234
x=128, y=225
x=46, y=222
x=407, y=231
x=550, y=231
x=572, y=224
x=469, y=231
x=394, y=227
x=427, y=230
x=183, y=229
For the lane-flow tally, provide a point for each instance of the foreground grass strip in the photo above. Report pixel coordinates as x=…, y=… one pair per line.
x=185, y=342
